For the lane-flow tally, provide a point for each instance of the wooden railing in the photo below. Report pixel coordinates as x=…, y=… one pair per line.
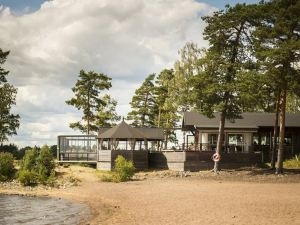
x=212, y=147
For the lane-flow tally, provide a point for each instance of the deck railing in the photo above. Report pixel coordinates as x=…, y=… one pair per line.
x=227, y=148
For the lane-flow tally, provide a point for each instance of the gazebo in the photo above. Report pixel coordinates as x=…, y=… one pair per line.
x=133, y=143
x=125, y=137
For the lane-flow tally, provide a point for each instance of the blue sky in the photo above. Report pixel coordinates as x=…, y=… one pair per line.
x=125, y=39
x=20, y=6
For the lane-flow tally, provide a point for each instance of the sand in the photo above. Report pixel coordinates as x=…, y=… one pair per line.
x=198, y=198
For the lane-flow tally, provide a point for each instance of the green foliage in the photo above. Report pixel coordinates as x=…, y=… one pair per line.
x=27, y=178
x=97, y=110
x=29, y=161
x=37, y=166
x=293, y=163
x=185, y=69
x=13, y=149
x=106, y=115
x=45, y=164
x=123, y=171
x=53, y=150
x=293, y=103
x=8, y=122
x=216, y=86
x=167, y=115
x=7, y=169
x=143, y=104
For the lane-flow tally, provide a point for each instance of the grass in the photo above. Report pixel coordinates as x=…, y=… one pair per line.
x=293, y=163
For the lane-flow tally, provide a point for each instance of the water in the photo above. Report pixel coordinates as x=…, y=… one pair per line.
x=39, y=211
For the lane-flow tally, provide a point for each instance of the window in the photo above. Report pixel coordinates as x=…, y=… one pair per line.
x=235, y=139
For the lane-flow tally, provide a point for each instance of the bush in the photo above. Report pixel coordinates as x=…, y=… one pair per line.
x=29, y=160
x=7, y=169
x=45, y=164
x=124, y=169
x=27, y=178
x=37, y=166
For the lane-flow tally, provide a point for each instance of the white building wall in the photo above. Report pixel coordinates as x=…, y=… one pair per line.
x=204, y=138
x=248, y=141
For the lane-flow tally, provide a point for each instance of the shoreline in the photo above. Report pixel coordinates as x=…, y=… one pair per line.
x=67, y=196
x=69, y=192
x=163, y=197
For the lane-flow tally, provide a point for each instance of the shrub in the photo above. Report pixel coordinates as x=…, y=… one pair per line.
x=7, y=169
x=45, y=164
x=37, y=166
x=27, y=178
x=29, y=160
x=124, y=169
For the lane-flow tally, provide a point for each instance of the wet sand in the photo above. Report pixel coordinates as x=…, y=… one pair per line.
x=158, y=199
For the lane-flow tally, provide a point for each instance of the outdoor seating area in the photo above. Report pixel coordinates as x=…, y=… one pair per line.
x=77, y=148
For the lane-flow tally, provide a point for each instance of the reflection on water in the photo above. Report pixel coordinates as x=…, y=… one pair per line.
x=39, y=211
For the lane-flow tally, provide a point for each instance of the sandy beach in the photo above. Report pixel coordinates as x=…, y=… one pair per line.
x=164, y=197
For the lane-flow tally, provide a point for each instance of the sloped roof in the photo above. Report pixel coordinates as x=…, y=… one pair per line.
x=249, y=120
x=124, y=131
x=152, y=133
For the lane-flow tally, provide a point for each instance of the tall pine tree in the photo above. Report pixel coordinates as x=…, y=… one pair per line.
x=217, y=84
x=97, y=110
x=277, y=45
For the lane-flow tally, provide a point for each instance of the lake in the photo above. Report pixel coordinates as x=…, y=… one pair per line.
x=26, y=210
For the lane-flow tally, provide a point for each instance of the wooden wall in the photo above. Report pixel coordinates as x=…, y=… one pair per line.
x=195, y=161
x=106, y=158
x=176, y=160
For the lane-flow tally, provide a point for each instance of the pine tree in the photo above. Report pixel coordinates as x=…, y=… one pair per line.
x=143, y=104
x=277, y=45
x=8, y=122
x=217, y=85
x=97, y=110
x=106, y=115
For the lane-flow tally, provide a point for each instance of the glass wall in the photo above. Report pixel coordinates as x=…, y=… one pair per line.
x=81, y=143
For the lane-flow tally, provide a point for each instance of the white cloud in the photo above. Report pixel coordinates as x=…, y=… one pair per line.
x=125, y=39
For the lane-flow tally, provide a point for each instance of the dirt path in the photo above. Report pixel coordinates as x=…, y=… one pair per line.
x=188, y=200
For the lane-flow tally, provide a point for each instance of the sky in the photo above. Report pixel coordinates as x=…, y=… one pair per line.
x=51, y=41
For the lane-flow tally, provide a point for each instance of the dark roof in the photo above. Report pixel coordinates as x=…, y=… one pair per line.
x=124, y=131
x=152, y=133
x=249, y=120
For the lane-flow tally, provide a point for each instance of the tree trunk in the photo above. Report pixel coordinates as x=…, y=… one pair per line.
x=274, y=143
x=220, y=140
x=166, y=139
x=281, y=132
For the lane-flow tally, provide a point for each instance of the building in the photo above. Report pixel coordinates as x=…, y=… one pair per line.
x=131, y=142
x=247, y=142
x=252, y=133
